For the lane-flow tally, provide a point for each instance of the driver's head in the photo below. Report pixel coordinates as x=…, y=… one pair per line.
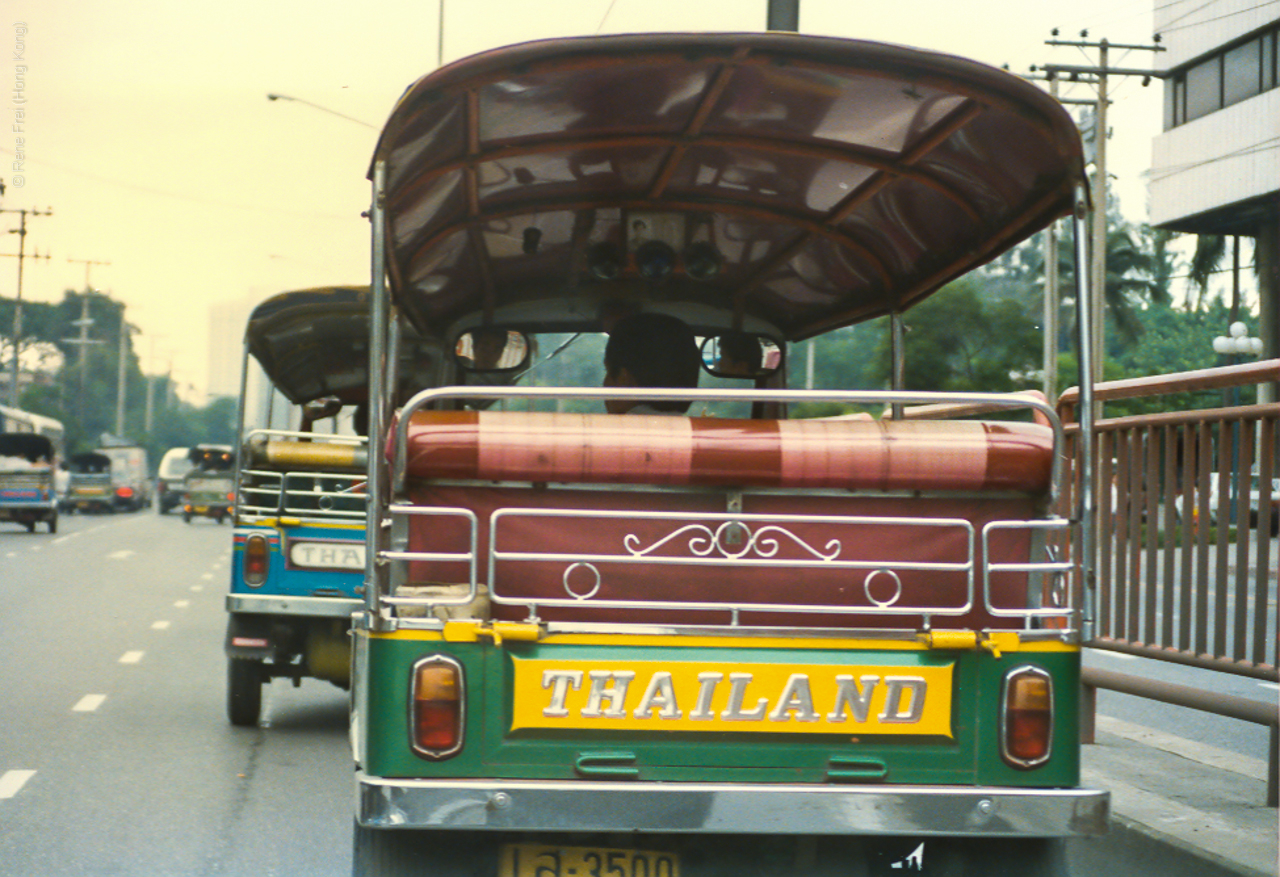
x=650, y=350
x=488, y=344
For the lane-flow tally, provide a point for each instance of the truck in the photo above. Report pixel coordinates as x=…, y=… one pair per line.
x=131, y=484
x=818, y=631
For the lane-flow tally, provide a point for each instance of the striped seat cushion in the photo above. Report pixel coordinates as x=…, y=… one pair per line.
x=658, y=450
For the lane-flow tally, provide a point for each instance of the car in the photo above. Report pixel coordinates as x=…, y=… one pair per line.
x=1255, y=502
x=173, y=466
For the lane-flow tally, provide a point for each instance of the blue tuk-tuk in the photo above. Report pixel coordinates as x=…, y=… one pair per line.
x=299, y=483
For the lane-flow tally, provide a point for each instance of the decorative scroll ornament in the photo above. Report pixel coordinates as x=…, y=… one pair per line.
x=703, y=541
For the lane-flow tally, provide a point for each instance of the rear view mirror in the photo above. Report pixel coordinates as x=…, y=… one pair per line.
x=489, y=349
x=741, y=355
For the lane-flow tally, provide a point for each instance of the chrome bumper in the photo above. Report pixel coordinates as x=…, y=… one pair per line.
x=274, y=604
x=535, y=805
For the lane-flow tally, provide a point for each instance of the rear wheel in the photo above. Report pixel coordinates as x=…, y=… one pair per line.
x=186, y=517
x=244, y=691
x=31, y=525
x=53, y=524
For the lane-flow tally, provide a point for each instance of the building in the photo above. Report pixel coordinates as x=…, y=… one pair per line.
x=1216, y=167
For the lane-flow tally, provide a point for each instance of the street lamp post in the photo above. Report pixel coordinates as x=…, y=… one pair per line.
x=1237, y=344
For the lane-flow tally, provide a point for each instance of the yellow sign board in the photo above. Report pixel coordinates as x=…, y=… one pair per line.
x=735, y=697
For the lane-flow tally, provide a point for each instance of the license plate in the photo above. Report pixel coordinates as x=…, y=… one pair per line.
x=538, y=860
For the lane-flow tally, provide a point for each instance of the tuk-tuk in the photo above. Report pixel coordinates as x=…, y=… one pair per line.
x=299, y=481
x=90, y=487
x=208, y=487
x=28, y=494
x=732, y=639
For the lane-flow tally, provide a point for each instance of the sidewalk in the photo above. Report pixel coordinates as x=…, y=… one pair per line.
x=1177, y=807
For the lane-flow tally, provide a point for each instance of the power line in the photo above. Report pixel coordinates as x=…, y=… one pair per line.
x=1166, y=29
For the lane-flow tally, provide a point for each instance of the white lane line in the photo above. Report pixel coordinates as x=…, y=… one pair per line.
x=1119, y=656
x=88, y=703
x=122, y=554
x=60, y=539
x=182, y=604
x=197, y=588
x=1271, y=685
x=14, y=780
x=131, y=657
x=207, y=576
x=160, y=625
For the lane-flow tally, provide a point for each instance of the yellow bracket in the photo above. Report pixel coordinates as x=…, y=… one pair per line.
x=473, y=631
x=996, y=642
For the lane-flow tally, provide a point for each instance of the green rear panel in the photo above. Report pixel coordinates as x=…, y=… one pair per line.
x=971, y=756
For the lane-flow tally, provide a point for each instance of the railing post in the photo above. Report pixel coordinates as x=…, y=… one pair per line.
x=1089, y=713
x=1273, y=767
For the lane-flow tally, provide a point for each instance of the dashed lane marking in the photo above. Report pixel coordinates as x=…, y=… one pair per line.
x=160, y=625
x=88, y=703
x=1271, y=685
x=14, y=780
x=197, y=588
x=131, y=657
x=123, y=554
x=182, y=604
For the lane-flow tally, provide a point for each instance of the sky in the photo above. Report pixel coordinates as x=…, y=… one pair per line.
x=176, y=185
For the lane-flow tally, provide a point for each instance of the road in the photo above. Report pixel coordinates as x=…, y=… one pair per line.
x=115, y=753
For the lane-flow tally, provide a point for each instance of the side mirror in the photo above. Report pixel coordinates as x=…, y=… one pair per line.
x=741, y=355
x=490, y=349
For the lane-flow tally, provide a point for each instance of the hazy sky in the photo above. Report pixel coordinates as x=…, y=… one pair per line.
x=147, y=129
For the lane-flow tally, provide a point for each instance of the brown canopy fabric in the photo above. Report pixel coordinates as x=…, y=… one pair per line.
x=800, y=183
x=314, y=343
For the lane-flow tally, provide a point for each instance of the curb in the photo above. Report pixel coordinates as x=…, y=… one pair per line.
x=1130, y=847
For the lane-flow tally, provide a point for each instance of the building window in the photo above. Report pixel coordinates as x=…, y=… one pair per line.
x=1241, y=72
x=1204, y=88
x=1270, y=75
x=1225, y=78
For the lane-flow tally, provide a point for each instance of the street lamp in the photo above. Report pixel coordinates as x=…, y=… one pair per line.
x=322, y=109
x=1237, y=343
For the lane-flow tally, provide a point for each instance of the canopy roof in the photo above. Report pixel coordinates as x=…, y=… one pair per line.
x=835, y=180
x=32, y=446
x=314, y=343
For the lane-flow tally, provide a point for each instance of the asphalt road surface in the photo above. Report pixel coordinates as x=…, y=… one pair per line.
x=116, y=756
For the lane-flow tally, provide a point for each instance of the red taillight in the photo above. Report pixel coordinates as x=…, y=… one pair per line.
x=124, y=492
x=437, y=707
x=231, y=497
x=257, y=557
x=1028, y=717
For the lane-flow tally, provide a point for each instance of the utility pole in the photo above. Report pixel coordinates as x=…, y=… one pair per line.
x=125, y=331
x=83, y=324
x=1098, y=75
x=21, y=232
x=783, y=15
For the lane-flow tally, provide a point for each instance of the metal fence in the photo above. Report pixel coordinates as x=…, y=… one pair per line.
x=1185, y=559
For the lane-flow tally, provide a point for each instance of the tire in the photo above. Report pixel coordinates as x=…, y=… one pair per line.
x=186, y=517
x=53, y=524
x=244, y=691
x=31, y=525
